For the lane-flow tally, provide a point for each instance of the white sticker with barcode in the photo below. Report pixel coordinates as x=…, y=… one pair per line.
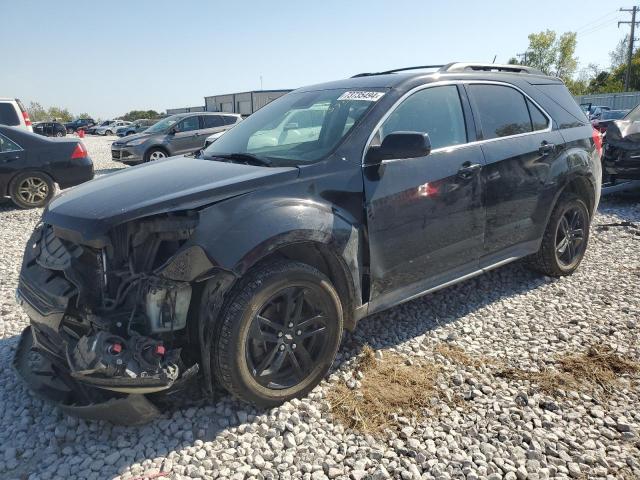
x=360, y=95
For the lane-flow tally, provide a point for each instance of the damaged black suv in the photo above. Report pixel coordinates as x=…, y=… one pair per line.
x=242, y=267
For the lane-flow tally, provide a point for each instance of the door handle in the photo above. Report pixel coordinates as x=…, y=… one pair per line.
x=468, y=169
x=546, y=148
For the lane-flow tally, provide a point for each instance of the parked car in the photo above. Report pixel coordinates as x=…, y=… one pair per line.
x=175, y=135
x=111, y=128
x=606, y=117
x=13, y=114
x=621, y=159
x=135, y=127
x=79, y=124
x=246, y=265
x=593, y=111
x=31, y=165
x=50, y=129
x=104, y=123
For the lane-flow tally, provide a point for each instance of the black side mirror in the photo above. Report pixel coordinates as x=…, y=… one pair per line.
x=400, y=145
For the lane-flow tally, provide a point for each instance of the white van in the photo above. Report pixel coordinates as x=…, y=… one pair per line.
x=13, y=113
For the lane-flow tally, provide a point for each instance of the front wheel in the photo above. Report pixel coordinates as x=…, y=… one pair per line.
x=108, y=132
x=278, y=333
x=154, y=154
x=565, y=238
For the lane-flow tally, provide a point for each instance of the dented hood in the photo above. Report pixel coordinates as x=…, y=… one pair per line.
x=177, y=183
x=624, y=132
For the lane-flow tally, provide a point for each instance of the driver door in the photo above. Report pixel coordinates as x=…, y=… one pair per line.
x=425, y=215
x=186, y=138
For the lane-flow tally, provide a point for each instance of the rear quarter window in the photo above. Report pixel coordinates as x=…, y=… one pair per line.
x=8, y=115
x=568, y=113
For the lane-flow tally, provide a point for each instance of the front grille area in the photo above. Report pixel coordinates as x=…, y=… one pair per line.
x=115, y=154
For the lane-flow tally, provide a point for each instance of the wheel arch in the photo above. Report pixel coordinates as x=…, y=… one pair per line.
x=9, y=183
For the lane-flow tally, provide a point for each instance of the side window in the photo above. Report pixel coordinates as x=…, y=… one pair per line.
x=211, y=121
x=502, y=111
x=229, y=120
x=8, y=115
x=7, y=145
x=188, y=124
x=538, y=120
x=436, y=111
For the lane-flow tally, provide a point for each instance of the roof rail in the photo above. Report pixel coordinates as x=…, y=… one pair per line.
x=457, y=67
x=395, y=70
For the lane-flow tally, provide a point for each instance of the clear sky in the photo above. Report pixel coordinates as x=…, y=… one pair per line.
x=107, y=57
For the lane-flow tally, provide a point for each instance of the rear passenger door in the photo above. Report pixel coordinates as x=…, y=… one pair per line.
x=519, y=147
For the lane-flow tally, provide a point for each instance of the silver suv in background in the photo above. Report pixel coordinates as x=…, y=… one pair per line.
x=175, y=135
x=13, y=114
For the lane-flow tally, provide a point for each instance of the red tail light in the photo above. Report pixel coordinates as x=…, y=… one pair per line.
x=25, y=114
x=79, y=152
x=27, y=120
x=597, y=141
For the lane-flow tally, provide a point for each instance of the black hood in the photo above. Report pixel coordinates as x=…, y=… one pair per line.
x=177, y=183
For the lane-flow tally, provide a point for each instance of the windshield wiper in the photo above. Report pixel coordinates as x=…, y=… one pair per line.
x=247, y=157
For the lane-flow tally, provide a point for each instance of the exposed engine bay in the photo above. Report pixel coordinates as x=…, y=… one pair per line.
x=109, y=316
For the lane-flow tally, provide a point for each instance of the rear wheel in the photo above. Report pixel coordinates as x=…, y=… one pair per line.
x=278, y=334
x=31, y=189
x=59, y=134
x=565, y=238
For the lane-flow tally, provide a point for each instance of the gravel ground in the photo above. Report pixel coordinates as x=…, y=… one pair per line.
x=503, y=428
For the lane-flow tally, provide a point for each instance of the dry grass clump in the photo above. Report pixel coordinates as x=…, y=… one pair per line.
x=596, y=369
x=389, y=387
x=459, y=356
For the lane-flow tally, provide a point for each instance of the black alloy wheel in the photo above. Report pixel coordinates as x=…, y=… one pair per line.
x=278, y=333
x=286, y=338
x=570, y=236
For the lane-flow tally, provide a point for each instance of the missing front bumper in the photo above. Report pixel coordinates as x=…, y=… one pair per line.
x=47, y=381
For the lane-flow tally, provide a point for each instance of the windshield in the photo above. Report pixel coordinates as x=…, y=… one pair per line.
x=163, y=125
x=633, y=115
x=298, y=127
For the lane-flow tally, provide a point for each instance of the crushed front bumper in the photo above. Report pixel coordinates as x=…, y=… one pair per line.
x=70, y=357
x=47, y=381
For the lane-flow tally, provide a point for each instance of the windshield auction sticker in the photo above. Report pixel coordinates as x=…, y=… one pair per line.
x=364, y=96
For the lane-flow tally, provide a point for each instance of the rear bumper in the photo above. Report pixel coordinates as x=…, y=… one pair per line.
x=79, y=171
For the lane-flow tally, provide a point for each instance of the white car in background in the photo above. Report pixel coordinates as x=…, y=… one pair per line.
x=13, y=114
x=111, y=128
x=298, y=126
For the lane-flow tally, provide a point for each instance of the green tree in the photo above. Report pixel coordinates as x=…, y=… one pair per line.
x=553, y=54
x=618, y=55
x=60, y=114
x=37, y=113
x=542, y=51
x=138, y=114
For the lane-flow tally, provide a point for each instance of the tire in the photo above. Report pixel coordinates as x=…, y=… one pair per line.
x=300, y=347
x=31, y=189
x=154, y=154
x=108, y=132
x=560, y=254
x=59, y=134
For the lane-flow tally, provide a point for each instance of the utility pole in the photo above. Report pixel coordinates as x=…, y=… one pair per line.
x=523, y=56
x=627, y=76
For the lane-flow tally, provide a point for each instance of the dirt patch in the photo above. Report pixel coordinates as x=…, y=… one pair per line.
x=389, y=387
x=596, y=370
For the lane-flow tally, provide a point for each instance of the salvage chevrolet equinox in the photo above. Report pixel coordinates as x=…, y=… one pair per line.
x=241, y=267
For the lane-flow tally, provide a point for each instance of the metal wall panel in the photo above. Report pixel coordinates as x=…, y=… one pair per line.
x=616, y=101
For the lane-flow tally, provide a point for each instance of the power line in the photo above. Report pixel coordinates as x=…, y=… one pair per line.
x=633, y=23
x=597, y=20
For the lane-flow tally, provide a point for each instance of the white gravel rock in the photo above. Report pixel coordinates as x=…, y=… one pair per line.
x=505, y=428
